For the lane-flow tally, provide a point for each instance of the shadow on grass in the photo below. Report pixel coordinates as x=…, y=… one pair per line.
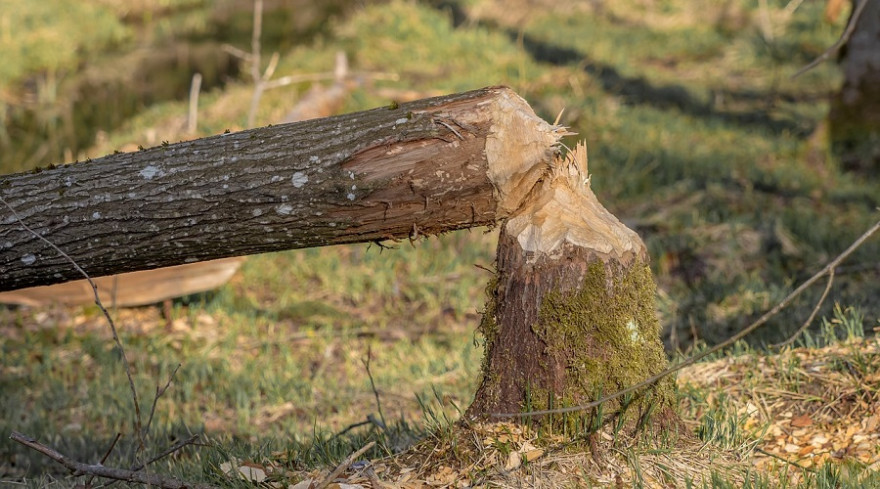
x=637, y=90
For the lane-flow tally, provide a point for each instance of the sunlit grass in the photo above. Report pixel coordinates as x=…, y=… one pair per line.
x=697, y=140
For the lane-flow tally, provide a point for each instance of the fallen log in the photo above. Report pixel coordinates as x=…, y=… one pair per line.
x=396, y=172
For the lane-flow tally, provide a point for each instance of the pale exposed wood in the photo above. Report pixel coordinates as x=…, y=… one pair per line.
x=133, y=288
x=563, y=211
x=426, y=167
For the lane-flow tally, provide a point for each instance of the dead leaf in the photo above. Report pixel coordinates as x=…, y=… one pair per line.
x=514, y=460
x=252, y=472
x=533, y=455
x=801, y=421
x=792, y=448
x=249, y=471
x=806, y=450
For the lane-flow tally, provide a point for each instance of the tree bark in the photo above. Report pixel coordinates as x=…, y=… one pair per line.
x=571, y=316
x=855, y=109
x=416, y=169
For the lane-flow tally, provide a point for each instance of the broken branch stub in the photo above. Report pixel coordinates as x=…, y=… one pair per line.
x=421, y=168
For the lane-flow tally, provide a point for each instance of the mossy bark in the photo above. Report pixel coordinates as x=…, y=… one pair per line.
x=571, y=316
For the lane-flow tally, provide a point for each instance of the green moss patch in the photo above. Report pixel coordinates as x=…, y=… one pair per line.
x=610, y=336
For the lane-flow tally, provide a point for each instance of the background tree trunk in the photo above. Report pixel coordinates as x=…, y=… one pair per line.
x=426, y=167
x=572, y=314
x=855, y=109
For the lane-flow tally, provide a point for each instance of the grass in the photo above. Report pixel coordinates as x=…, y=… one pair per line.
x=48, y=38
x=698, y=140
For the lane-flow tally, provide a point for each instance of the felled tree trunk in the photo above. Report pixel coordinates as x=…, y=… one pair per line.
x=396, y=172
x=572, y=314
x=572, y=311
x=855, y=109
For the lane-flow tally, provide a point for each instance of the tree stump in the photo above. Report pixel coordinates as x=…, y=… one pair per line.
x=571, y=315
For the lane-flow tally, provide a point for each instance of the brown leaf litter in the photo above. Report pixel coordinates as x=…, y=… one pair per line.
x=812, y=405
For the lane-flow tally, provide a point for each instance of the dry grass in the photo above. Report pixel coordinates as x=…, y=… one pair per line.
x=800, y=408
x=505, y=455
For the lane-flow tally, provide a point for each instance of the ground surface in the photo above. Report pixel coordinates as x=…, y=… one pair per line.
x=698, y=140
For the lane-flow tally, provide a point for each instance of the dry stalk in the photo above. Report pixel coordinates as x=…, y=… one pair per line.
x=810, y=319
x=373, y=386
x=192, y=119
x=344, y=465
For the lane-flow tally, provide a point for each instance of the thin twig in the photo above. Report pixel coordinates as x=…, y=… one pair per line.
x=766, y=25
x=236, y=52
x=168, y=451
x=104, y=458
x=344, y=465
x=351, y=427
x=137, y=408
x=790, y=9
x=255, y=61
x=850, y=28
x=256, y=33
x=733, y=339
x=783, y=459
x=110, y=450
x=270, y=69
x=316, y=77
x=484, y=268
x=450, y=128
x=373, y=384
x=290, y=79
x=810, y=319
x=159, y=392
x=79, y=468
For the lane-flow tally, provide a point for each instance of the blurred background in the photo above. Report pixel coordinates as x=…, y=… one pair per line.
x=699, y=139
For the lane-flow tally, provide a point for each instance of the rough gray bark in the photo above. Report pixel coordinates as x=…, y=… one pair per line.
x=855, y=109
x=425, y=167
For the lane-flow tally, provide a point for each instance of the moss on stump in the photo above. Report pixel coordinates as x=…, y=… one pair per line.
x=571, y=315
